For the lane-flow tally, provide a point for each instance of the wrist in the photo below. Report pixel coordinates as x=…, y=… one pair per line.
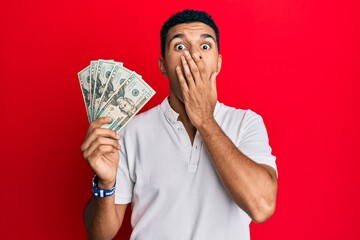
x=100, y=192
x=105, y=184
x=207, y=124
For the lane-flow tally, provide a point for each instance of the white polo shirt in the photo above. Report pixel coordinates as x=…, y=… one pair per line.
x=172, y=184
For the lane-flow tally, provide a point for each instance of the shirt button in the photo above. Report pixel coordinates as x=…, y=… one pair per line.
x=186, y=145
x=180, y=129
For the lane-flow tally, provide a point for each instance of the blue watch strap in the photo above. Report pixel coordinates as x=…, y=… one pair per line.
x=99, y=193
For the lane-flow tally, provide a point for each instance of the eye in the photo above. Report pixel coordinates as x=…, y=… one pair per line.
x=180, y=47
x=205, y=46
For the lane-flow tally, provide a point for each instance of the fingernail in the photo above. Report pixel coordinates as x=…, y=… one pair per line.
x=178, y=68
x=186, y=53
x=195, y=55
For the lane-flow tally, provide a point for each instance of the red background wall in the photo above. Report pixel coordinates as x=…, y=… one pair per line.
x=295, y=62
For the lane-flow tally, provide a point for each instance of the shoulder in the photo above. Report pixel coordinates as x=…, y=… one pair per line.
x=143, y=121
x=231, y=115
x=238, y=123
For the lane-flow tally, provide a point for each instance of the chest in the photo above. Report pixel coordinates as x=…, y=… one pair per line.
x=169, y=163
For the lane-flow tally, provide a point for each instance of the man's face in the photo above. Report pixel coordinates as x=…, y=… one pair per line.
x=196, y=38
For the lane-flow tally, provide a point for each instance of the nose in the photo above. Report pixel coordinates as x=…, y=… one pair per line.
x=193, y=50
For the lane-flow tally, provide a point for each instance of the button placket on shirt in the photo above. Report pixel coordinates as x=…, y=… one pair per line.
x=192, y=152
x=184, y=138
x=195, y=153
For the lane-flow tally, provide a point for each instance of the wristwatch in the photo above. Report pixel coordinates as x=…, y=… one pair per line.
x=100, y=193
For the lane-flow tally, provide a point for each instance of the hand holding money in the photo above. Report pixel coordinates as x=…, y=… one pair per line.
x=112, y=95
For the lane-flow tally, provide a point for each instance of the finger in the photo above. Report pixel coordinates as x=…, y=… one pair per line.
x=98, y=123
x=103, y=141
x=99, y=142
x=182, y=82
x=193, y=67
x=99, y=132
x=188, y=75
x=203, y=71
x=100, y=151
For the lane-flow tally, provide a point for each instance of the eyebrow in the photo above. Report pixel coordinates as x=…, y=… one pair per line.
x=204, y=35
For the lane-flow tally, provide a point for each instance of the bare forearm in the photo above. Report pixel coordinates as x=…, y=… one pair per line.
x=252, y=186
x=101, y=218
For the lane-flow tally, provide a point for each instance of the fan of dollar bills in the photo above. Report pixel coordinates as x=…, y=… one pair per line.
x=110, y=89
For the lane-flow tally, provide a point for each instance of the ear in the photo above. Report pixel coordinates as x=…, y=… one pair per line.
x=162, y=66
x=219, y=63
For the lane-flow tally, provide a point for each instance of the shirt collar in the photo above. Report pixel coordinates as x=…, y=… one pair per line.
x=172, y=116
x=169, y=113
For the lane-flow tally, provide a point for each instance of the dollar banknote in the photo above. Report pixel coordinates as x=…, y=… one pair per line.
x=103, y=72
x=133, y=94
x=84, y=79
x=116, y=79
x=93, y=67
x=110, y=89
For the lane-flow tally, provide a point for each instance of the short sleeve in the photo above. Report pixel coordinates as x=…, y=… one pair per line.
x=124, y=183
x=254, y=141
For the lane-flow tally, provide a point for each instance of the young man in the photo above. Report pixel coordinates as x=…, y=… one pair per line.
x=191, y=167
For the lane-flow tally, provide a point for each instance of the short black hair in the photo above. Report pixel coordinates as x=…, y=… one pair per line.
x=187, y=16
